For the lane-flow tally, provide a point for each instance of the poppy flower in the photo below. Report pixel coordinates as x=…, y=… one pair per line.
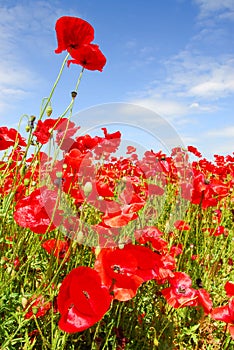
x=195, y=151
x=181, y=225
x=108, y=144
x=56, y=247
x=88, y=56
x=117, y=268
x=72, y=32
x=38, y=307
x=225, y=314
x=124, y=270
x=37, y=210
x=82, y=300
x=218, y=231
x=229, y=288
x=8, y=137
x=63, y=126
x=130, y=149
x=180, y=293
x=151, y=234
x=154, y=189
x=204, y=300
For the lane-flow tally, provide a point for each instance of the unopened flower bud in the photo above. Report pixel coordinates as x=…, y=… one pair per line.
x=27, y=128
x=88, y=188
x=23, y=170
x=49, y=111
x=79, y=237
x=26, y=182
x=59, y=174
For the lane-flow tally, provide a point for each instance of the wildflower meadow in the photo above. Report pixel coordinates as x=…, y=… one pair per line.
x=102, y=249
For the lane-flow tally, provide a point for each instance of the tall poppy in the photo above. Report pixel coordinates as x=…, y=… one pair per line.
x=89, y=56
x=72, y=32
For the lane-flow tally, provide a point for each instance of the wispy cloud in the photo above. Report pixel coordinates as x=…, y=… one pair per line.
x=227, y=132
x=197, y=76
x=222, y=8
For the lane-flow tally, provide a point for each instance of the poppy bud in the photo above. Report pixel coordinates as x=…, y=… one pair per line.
x=79, y=237
x=27, y=128
x=49, y=111
x=23, y=170
x=26, y=182
x=88, y=188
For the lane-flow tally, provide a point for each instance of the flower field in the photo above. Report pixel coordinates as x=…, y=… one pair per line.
x=108, y=251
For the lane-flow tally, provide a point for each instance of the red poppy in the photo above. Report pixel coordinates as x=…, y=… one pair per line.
x=117, y=268
x=229, y=288
x=86, y=142
x=180, y=294
x=130, y=149
x=57, y=247
x=107, y=237
x=124, y=270
x=9, y=137
x=204, y=300
x=195, y=151
x=154, y=189
x=39, y=307
x=151, y=234
x=176, y=250
x=218, y=231
x=225, y=314
x=72, y=32
x=38, y=211
x=118, y=219
x=181, y=225
x=44, y=129
x=82, y=300
x=88, y=56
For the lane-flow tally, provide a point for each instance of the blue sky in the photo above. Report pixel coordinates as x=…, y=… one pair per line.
x=175, y=57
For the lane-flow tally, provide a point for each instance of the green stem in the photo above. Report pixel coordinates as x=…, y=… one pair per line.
x=54, y=86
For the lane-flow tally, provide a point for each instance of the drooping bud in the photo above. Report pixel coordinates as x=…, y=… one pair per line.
x=26, y=182
x=49, y=111
x=88, y=188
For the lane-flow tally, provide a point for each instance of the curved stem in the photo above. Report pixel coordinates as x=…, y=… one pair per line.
x=54, y=87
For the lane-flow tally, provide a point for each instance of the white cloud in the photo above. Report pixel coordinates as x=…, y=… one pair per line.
x=223, y=132
x=209, y=7
x=217, y=82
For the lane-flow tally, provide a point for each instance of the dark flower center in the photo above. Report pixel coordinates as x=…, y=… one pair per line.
x=116, y=269
x=181, y=290
x=86, y=294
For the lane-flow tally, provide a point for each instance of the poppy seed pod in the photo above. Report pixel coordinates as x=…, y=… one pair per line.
x=73, y=94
